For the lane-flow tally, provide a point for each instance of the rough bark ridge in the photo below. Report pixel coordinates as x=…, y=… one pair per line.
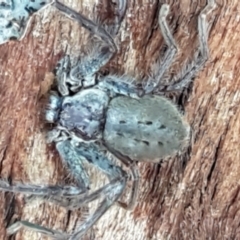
x=195, y=197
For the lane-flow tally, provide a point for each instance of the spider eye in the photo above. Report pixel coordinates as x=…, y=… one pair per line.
x=51, y=116
x=54, y=102
x=67, y=105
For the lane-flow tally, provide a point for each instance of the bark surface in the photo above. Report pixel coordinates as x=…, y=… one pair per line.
x=195, y=196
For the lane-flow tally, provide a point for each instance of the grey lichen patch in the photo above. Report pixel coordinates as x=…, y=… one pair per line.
x=15, y=16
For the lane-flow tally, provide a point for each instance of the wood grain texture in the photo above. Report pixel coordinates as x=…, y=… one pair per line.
x=193, y=197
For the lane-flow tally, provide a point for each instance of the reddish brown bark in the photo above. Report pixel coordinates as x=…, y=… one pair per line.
x=193, y=197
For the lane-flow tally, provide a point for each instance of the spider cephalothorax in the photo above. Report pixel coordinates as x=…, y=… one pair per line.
x=82, y=114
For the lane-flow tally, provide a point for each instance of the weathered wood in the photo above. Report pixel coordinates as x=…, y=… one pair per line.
x=194, y=197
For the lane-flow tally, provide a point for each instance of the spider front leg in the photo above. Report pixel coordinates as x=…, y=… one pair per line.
x=201, y=57
x=94, y=155
x=37, y=190
x=111, y=192
x=83, y=74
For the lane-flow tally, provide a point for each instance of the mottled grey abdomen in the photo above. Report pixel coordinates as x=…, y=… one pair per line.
x=148, y=128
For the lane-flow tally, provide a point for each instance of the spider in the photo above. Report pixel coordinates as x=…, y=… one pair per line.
x=94, y=114
x=15, y=15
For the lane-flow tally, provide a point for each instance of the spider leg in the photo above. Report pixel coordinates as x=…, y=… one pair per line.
x=134, y=193
x=83, y=74
x=74, y=162
x=111, y=193
x=125, y=85
x=62, y=192
x=186, y=76
x=171, y=51
x=134, y=177
x=88, y=24
x=122, y=6
x=69, y=150
x=72, y=202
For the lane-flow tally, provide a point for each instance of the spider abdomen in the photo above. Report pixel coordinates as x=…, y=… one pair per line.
x=145, y=129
